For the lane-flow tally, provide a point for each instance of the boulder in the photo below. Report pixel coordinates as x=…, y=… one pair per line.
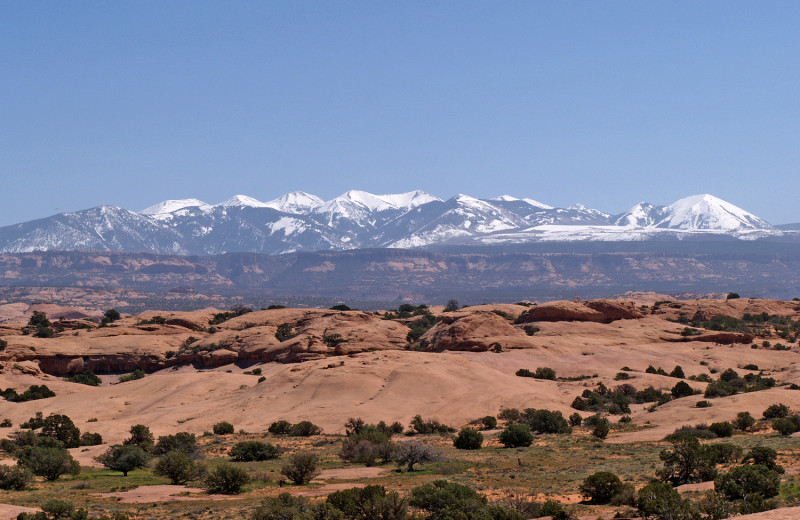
x=475, y=332
x=601, y=311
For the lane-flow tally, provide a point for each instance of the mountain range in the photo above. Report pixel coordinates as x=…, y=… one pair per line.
x=299, y=221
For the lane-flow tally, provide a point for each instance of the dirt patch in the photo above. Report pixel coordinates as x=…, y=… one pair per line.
x=700, y=486
x=9, y=511
x=351, y=473
x=164, y=493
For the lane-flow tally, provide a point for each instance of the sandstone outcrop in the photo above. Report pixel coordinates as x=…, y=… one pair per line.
x=601, y=311
x=476, y=332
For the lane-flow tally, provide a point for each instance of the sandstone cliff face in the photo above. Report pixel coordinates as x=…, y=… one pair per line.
x=601, y=311
x=475, y=332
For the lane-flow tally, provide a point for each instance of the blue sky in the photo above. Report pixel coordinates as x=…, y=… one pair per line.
x=602, y=103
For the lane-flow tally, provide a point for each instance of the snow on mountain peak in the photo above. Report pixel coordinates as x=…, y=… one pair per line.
x=706, y=212
x=168, y=206
x=297, y=202
x=537, y=204
x=410, y=199
x=242, y=201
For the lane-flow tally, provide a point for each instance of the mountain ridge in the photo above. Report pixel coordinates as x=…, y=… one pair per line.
x=300, y=221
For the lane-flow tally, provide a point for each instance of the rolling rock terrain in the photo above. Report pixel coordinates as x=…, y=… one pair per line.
x=331, y=365
x=325, y=365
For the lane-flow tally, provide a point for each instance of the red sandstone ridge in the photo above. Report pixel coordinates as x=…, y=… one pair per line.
x=601, y=311
x=476, y=332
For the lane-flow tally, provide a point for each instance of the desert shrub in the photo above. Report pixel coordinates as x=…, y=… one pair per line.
x=545, y=421
x=48, y=462
x=600, y=487
x=182, y=441
x=516, y=436
x=703, y=404
x=304, y=429
x=178, y=468
x=62, y=428
x=59, y=510
x=222, y=428
x=442, y=500
x=723, y=453
x=222, y=317
x=764, y=456
x=660, y=501
x=136, y=374
x=601, y=428
x=124, y=458
x=87, y=377
x=509, y=414
x=14, y=477
x=786, y=425
x=545, y=373
x=91, y=439
x=775, y=411
x=6, y=423
x=33, y=393
x=721, y=429
x=287, y=507
x=652, y=395
x=622, y=376
x=284, y=332
x=750, y=366
x=744, y=421
x=280, y=427
x=141, y=437
x=677, y=372
x=742, y=481
x=426, y=426
x=530, y=330
x=489, y=422
x=688, y=461
x=575, y=419
x=698, y=431
x=369, y=502
x=682, y=389
x=301, y=467
x=253, y=450
x=411, y=453
x=226, y=479
x=468, y=439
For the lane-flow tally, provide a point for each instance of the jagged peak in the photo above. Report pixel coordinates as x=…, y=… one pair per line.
x=242, y=201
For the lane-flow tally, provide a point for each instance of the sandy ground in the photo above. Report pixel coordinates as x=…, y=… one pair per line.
x=10, y=512
x=162, y=493
x=786, y=513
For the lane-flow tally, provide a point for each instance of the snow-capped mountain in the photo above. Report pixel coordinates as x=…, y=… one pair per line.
x=300, y=221
x=695, y=213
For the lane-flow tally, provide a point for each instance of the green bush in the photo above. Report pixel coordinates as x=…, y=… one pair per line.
x=14, y=477
x=660, y=501
x=601, y=428
x=280, y=427
x=682, y=389
x=124, y=458
x=227, y=479
x=786, y=425
x=516, y=436
x=369, y=502
x=468, y=439
x=721, y=429
x=489, y=422
x=141, y=437
x=91, y=439
x=304, y=429
x=62, y=428
x=48, y=462
x=247, y=451
x=287, y=507
x=687, y=462
x=178, y=468
x=222, y=428
x=87, y=377
x=600, y=487
x=764, y=456
x=136, y=374
x=744, y=421
x=775, y=411
x=182, y=441
x=575, y=419
x=301, y=468
x=545, y=421
x=742, y=481
x=33, y=393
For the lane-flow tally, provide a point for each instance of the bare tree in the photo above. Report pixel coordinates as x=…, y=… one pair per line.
x=412, y=452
